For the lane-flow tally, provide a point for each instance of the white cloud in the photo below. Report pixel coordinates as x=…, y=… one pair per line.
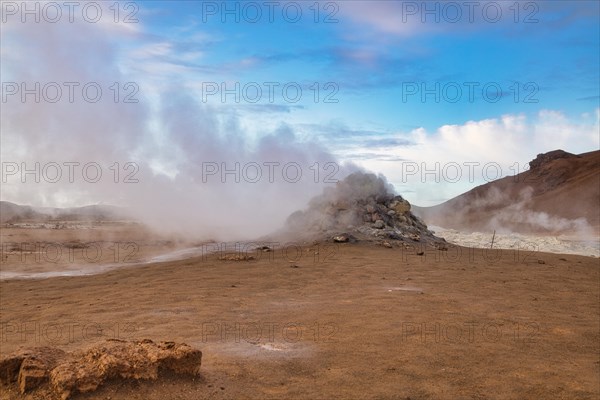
x=503, y=145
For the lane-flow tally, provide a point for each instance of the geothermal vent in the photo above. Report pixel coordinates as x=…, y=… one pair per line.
x=361, y=207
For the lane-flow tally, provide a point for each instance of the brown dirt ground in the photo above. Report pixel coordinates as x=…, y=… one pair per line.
x=353, y=321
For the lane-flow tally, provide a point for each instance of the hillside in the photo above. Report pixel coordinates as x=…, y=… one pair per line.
x=559, y=194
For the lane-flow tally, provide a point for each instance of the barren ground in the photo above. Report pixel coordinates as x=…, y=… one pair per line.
x=353, y=321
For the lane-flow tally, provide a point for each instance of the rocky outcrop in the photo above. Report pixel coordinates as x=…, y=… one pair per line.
x=65, y=374
x=545, y=158
x=361, y=207
x=29, y=369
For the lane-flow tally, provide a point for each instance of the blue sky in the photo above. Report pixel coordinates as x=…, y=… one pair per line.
x=370, y=62
x=553, y=47
x=538, y=55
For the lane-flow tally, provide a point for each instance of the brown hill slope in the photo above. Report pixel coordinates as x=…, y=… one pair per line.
x=560, y=193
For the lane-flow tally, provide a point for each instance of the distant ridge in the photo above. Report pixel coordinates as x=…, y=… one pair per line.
x=560, y=193
x=11, y=212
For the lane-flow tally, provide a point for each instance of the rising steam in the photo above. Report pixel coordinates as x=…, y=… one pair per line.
x=196, y=171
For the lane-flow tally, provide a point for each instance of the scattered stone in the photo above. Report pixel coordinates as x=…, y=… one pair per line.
x=386, y=244
x=264, y=249
x=294, y=266
x=541, y=262
x=394, y=236
x=66, y=374
x=341, y=239
x=236, y=257
x=379, y=224
x=420, y=253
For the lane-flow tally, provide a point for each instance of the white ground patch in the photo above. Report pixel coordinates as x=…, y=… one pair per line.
x=514, y=241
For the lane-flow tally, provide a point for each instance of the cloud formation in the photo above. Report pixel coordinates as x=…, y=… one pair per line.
x=429, y=163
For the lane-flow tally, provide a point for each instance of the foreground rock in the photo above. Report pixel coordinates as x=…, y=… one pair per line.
x=65, y=374
x=361, y=207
